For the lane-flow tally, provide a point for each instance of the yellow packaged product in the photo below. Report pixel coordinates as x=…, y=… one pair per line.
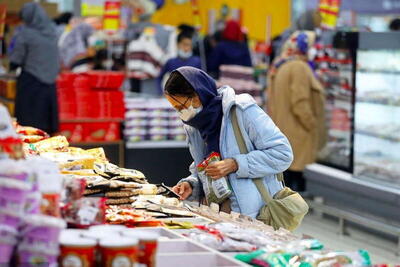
x=79, y=164
x=52, y=143
x=98, y=153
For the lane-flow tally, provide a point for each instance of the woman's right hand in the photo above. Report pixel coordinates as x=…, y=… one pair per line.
x=184, y=190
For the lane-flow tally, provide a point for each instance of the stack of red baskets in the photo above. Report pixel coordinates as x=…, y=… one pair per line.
x=91, y=105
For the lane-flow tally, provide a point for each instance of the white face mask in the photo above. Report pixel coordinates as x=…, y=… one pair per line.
x=184, y=55
x=189, y=113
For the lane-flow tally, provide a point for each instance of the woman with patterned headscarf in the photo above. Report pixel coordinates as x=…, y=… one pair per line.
x=296, y=104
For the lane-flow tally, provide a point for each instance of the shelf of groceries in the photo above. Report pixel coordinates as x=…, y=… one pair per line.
x=66, y=205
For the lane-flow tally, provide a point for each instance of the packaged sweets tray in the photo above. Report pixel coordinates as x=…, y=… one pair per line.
x=177, y=250
x=185, y=252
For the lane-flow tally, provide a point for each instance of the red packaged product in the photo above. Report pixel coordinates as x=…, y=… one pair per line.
x=85, y=212
x=77, y=251
x=119, y=251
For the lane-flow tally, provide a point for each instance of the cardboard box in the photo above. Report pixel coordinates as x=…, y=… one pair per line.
x=9, y=104
x=51, y=9
x=8, y=88
x=14, y=6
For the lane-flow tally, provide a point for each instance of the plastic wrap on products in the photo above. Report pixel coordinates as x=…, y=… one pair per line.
x=40, y=240
x=50, y=184
x=216, y=191
x=85, y=211
x=13, y=195
x=220, y=243
x=41, y=231
x=74, y=188
x=307, y=259
x=50, y=144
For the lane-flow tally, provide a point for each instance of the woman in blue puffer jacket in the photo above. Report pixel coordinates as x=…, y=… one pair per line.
x=205, y=111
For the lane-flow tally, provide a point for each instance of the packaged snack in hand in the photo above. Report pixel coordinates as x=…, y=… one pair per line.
x=216, y=190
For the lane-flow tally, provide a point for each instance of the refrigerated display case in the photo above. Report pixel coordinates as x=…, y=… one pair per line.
x=361, y=74
x=377, y=115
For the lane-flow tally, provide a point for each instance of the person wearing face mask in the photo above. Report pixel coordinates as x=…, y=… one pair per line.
x=185, y=58
x=206, y=113
x=296, y=103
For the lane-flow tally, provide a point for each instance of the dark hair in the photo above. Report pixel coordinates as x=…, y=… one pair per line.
x=190, y=30
x=177, y=85
x=395, y=25
x=183, y=35
x=63, y=18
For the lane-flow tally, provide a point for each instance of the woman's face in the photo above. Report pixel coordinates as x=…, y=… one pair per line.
x=183, y=102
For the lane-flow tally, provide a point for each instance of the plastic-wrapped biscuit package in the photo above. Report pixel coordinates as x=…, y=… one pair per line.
x=216, y=191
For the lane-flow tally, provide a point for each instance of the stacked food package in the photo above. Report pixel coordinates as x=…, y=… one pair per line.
x=91, y=106
x=242, y=80
x=153, y=120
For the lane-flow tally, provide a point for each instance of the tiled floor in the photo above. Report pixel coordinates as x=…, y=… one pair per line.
x=325, y=230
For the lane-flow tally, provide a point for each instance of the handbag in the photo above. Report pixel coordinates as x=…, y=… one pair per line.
x=287, y=208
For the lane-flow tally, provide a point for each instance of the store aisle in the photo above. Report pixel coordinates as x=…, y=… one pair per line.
x=325, y=230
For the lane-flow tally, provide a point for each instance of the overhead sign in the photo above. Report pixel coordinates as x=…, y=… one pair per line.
x=329, y=10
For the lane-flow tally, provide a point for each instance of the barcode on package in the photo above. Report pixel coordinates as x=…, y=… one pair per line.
x=220, y=187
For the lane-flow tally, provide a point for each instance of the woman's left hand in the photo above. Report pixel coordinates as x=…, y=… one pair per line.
x=219, y=169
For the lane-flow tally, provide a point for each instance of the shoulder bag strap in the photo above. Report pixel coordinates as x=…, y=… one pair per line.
x=243, y=150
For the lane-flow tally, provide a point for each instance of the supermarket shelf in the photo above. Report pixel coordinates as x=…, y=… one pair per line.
x=340, y=134
x=346, y=105
x=2, y=98
x=390, y=72
x=380, y=104
x=156, y=144
x=375, y=135
x=90, y=120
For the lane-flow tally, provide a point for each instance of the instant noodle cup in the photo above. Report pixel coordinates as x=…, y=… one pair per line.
x=13, y=195
x=42, y=230
x=76, y=251
x=119, y=252
x=8, y=240
x=31, y=256
x=147, y=247
x=98, y=234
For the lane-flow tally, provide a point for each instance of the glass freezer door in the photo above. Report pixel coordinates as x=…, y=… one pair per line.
x=377, y=116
